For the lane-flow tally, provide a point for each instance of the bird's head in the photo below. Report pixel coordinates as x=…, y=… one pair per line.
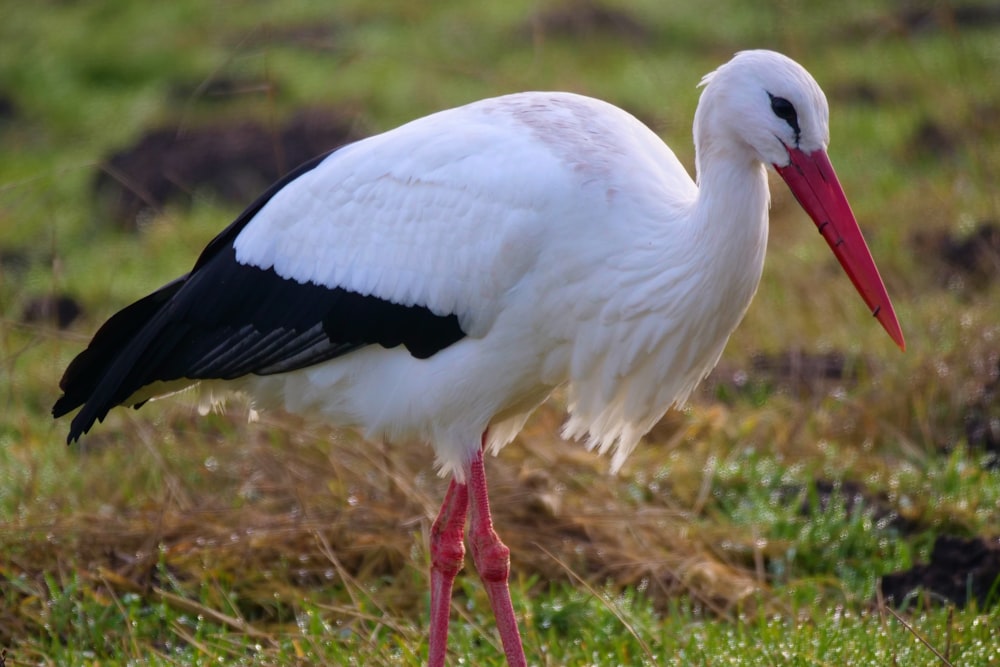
x=764, y=103
x=767, y=108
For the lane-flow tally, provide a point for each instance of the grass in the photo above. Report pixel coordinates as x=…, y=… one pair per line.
x=750, y=529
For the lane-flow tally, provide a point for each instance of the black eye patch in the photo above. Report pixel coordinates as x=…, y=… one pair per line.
x=784, y=110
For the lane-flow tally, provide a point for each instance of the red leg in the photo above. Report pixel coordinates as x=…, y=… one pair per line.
x=492, y=558
x=447, y=554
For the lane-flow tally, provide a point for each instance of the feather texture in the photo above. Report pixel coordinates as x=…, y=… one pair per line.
x=558, y=230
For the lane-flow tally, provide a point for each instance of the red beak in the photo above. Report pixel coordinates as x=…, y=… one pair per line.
x=814, y=183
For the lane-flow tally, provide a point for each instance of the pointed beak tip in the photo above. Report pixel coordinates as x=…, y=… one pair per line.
x=900, y=342
x=887, y=318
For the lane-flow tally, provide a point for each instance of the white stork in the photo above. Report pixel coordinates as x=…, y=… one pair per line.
x=440, y=280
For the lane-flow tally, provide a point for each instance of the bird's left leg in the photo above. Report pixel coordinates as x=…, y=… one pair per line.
x=492, y=558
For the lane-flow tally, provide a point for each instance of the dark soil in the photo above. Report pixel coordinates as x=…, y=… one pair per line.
x=856, y=498
x=801, y=371
x=946, y=16
x=918, y=19
x=793, y=371
x=960, y=570
x=982, y=417
x=932, y=140
x=8, y=109
x=966, y=262
x=234, y=161
x=586, y=18
x=59, y=310
x=14, y=260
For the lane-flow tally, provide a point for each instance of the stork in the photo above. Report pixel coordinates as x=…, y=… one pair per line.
x=438, y=281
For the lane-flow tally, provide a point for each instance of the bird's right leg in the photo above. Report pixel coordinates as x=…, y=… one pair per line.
x=447, y=556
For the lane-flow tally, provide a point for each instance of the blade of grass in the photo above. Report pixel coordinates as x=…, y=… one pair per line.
x=612, y=608
x=182, y=604
x=913, y=631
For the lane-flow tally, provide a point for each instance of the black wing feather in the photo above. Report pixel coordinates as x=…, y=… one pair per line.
x=80, y=378
x=225, y=320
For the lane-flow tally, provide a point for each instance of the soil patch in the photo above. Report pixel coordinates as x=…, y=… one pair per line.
x=960, y=570
x=946, y=17
x=982, y=417
x=921, y=19
x=932, y=140
x=234, y=161
x=855, y=498
x=14, y=261
x=795, y=372
x=586, y=18
x=59, y=310
x=966, y=262
x=8, y=109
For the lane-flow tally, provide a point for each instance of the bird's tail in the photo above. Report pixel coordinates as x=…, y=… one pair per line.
x=105, y=374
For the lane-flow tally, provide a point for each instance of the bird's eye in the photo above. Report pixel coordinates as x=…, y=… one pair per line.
x=784, y=110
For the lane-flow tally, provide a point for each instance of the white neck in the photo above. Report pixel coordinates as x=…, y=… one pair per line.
x=730, y=224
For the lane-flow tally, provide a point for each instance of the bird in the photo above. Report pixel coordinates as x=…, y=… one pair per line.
x=437, y=282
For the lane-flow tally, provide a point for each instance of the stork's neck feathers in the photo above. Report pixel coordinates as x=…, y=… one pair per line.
x=730, y=213
x=730, y=217
x=730, y=222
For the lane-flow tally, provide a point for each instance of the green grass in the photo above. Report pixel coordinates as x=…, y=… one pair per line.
x=562, y=626
x=166, y=538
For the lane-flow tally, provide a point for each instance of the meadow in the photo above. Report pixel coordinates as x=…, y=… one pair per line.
x=824, y=499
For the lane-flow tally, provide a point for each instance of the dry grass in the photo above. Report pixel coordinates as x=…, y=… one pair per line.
x=279, y=513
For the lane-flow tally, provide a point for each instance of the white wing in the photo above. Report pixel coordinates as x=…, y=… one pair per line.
x=449, y=211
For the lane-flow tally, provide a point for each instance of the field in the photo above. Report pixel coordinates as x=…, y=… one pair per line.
x=823, y=500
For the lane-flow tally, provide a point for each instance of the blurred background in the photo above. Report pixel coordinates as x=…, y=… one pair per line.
x=817, y=469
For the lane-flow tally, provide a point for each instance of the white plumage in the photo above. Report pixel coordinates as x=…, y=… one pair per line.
x=565, y=254
x=437, y=282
